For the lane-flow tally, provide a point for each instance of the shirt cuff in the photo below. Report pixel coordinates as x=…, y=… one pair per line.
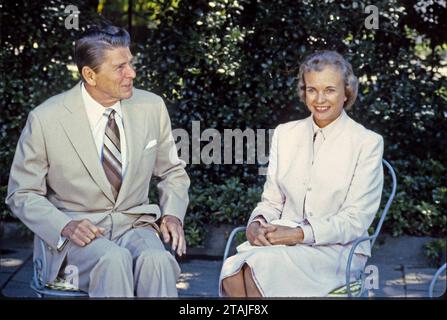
x=61, y=243
x=308, y=233
x=259, y=218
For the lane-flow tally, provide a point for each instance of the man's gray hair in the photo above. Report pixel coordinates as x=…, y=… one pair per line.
x=90, y=47
x=318, y=61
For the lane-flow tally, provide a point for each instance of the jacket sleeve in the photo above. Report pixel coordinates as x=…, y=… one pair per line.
x=174, y=184
x=362, y=201
x=272, y=200
x=27, y=186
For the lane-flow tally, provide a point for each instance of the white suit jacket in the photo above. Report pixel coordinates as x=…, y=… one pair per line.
x=341, y=190
x=57, y=176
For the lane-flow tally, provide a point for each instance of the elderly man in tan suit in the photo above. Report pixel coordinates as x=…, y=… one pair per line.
x=81, y=172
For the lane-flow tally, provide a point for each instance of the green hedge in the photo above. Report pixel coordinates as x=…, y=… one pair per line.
x=227, y=203
x=233, y=64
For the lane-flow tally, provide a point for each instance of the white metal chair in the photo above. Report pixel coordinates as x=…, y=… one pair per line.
x=435, y=278
x=355, y=288
x=57, y=288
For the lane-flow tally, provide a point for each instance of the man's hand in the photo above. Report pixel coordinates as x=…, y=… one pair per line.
x=81, y=232
x=285, y=235
x=256, y=233
x=172, y=227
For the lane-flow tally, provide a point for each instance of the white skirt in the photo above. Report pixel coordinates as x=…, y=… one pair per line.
x=295, y=271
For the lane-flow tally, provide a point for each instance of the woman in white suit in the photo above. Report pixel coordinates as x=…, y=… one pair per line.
x=323, y=188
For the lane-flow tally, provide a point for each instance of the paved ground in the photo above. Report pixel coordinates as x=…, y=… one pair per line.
x=403, y=270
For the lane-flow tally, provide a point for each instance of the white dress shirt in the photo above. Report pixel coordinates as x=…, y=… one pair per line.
x=98, y=117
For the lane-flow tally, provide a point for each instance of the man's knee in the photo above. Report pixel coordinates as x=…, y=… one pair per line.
x=117, y=257
x=155, y=256
x=160, y=260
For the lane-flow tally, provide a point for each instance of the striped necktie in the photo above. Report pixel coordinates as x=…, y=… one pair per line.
x=111, y=154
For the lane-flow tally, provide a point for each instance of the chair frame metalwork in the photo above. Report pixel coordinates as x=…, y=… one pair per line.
x=371, y=238
x=435, y=278
x=41, y=286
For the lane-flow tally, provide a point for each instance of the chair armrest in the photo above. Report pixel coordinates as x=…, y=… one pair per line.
x=40, y=268
x=351, y=254
x=230, y=240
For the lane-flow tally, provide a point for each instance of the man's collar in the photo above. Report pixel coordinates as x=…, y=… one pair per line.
x=95, y=110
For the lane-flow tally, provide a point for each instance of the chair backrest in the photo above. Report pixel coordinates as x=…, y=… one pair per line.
x=388, y=203
x=372, y=238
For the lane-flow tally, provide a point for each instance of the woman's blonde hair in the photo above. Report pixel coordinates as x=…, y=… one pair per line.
x=320, y=59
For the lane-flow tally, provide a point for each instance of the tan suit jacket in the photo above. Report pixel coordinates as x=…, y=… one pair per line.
x=57, y=176
x=340, y=192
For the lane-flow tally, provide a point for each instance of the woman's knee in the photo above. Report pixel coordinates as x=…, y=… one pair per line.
x=234, y=285
x=250, y=285
x=246, y=270
x=227, y=285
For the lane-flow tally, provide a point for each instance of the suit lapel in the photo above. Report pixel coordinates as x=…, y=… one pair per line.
x=298, y=149
x=133, y=127
x=78, y=130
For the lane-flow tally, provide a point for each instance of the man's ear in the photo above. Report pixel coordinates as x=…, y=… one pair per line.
x=89, y=75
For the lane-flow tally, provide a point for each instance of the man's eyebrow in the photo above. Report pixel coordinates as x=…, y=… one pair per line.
x=131, y=60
